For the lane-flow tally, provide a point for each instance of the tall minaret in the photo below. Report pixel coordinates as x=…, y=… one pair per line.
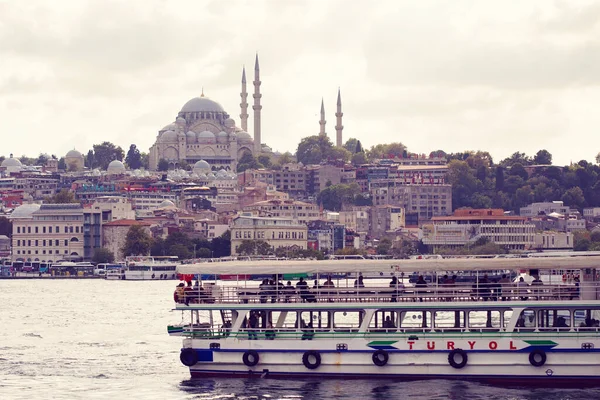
x=244, y=103
x=322, y=122
x=257, y=107
x=338, y=124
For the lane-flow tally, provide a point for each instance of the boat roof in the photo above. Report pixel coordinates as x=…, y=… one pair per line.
x=387, y=267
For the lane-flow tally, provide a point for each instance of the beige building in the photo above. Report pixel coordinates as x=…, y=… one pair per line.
x=50, y=232
x=298, y=211
x=277, y=232
x=114, y=208
x=356, y=219
x=553, y=240
x=115, y=232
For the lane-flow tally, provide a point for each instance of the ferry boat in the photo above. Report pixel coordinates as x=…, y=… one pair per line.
x=546, y=334
x=142, y=268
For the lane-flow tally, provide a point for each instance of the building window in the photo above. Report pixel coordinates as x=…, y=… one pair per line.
x=43, y=229
x=49, y=229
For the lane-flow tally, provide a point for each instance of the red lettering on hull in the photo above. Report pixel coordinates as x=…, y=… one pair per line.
x=450, y=345
x=410, y=344
x=493, y=345
x=430, y=345
x=512, y=346
x=472, y=344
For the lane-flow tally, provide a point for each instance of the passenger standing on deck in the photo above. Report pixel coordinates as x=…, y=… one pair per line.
x=289, y=291
x=419, y=285
x=329, y=285
x=504, y=283
x=252, y=326
x=263, y=288
x=522, y=288
x=302, y=288
x=394, y=286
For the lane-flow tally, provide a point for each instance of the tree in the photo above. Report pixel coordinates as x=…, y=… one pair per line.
x=359, y=148
x=72, y=167
x=221, y=246
x=581, y=240
x=158, y=247
x=254, y=247
x=177, y=238
x=335, y=196
x=359, y=159
x=499, y=178
x=5, y=226
x=543, y=157
x=145, y=158
x=89, y=159
x=247, y=161
x=574, y=198
x=62, y=165
x=180, y=251
x=63, y=197
x=103, y=256
x=516, y=157
x=265, y=160
x=350, y=145
x=313, y=149
x=106, y=152
x=137, y=242
x=517, y=169
x=384, y=246
x=42, y=159
x=390, y=150
x=134, y=157
x=339, y=153
x=163, y=165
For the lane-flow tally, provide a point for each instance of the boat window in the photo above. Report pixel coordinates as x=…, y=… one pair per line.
x=552, y=320
x=282, y=319
x=384, y=321
x=484, y=320
x=347, y=321
x=587, y=319
x=449, y=320
x=415, y=320
x=525, y=321
x=507, y=316
x=318, y=320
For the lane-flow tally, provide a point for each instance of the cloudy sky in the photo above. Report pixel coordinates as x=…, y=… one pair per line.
x=501, y=76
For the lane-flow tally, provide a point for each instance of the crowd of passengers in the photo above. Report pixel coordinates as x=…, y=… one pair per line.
x=485, y=289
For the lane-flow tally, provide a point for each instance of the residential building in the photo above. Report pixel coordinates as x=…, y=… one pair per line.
x=277, y=232
x=547, y=208
x=298, y=211
x=553, y=241
x=326, y=236
x=385, y=219
x=427, y=200
x=591, y=213
x=356, y=219
x=114, y=208
x=466, y=226
x=92, y=232
x=319, y=176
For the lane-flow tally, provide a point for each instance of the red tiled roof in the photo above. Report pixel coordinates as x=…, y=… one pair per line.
x=127, y=222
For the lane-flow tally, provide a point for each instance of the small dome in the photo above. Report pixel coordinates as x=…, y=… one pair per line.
x=244, y=136
x=24, y=211
x=73, y=154
x=166, y=203
x=229, y=123
x=168, y=136
x=191, y=137
x=221, y=174
x=171, y=127
x=116, y=167
x=11, y=162
x=206, y=137
x=201, y=167
x=199, y=104
x=222, y=136
x=180, y=121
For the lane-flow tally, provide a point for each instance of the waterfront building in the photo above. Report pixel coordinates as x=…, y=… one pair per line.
x=277, y=232
x=298, y=211
x=49, y=232
x=547, y=208
x=467, y=226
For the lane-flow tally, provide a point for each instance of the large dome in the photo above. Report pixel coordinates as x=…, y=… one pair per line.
x=73, y=153
x=199, y=104
x=24, y=211
x=11, y=162
x=116, y=167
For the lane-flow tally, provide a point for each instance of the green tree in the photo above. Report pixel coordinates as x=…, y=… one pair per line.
x=221, y=246
x=573, y=197
x=390, y=150
x=145, y=158
x=359, y=159
x=134, y=157
x=180, y=251
x=106, y=152
x=163, y=165
x=5, y=226
x=339, y=153
x=89, y=159
x=42, y=159
x=543, y=157
x=62, y=165
x=335, y=196
x=265, y=160
x=63, y=197
x=581, y=240
x=158, y=247
x=516, y=157
x=102, y=256
x=177, y=238
x=247, y=161
x=204, y=252
x=313, y=149
x=137, y=242
x=253, y=247
x=517, y=169
x=499, y=178
x=359, y=148
x=350, y=145
x=384, y=246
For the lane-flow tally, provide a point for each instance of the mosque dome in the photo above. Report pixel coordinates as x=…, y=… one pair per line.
x=73, y=154
x=171, y=127
x=244, y=136
x=201, y=167
x=180, y=121
x=206, y=137
x=222, y=136
x=191, y=137
x=11, y=162
x=199, y=104
x=221, y=174
x=24, y=211
x=166, y=203
x=229, y=123
x=115, y=167
x=168, y=136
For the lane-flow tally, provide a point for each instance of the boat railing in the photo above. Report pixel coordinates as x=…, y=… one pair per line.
x=440, y=293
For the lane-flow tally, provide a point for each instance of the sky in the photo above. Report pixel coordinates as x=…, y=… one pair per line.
x=499, y=76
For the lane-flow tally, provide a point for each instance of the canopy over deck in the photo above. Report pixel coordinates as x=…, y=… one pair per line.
x=387, y=267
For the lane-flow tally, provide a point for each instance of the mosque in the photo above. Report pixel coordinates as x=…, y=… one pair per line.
x=204, y=131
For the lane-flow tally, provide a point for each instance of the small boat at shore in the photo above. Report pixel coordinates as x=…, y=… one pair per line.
x=514, y=332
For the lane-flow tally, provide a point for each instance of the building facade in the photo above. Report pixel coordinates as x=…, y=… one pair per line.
x=277, y=232
x=114, y=234
x=298, y=211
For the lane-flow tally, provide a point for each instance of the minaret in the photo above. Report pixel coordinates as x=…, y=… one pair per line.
x=244, y=103
x=322, y=122
x=257, y=107
x=338, y=121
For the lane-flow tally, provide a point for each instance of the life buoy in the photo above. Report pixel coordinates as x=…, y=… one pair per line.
x=564, y=278
x=188, y=357
x=250, y=358
x=452, y=358
x=537, y=358
x=380, y=357
x=311, y=359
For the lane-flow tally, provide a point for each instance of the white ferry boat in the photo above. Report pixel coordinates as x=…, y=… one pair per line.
x=142, y=268
x=485, y=331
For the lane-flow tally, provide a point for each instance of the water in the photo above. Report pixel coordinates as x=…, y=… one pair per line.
x=97, y=339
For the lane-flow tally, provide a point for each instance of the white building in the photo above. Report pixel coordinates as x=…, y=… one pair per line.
x=547, y=208
x=298, y=211
x=553, y=241
x=277, y=232
x=114, y=208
